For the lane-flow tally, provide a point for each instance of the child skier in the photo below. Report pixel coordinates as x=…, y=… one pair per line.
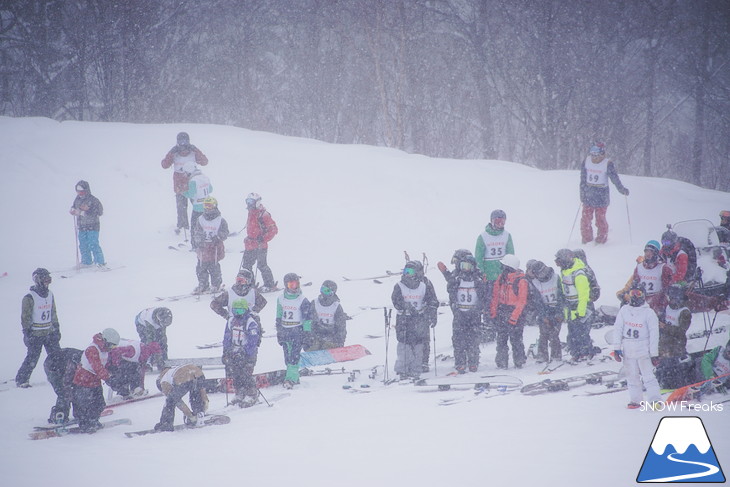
x=328, y=319
x=241, y=341
x=293, y=326
x=209, y=232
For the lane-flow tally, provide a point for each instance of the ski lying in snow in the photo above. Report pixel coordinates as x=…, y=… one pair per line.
x=499, y=382
x=209, y=421
x=550, y=385
x=55, y=433
x=691, y=391
x=277, y=288
x=384, y=276
x=71, y=422
x=178, y=297
x=84, y=270
x=209, y=345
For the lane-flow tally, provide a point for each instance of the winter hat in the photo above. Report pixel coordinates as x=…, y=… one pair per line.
x=83, y=186
x=511, y=261
x=653, y=245
x=498, y=214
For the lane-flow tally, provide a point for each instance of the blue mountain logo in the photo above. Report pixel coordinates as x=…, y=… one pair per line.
x=681, y=452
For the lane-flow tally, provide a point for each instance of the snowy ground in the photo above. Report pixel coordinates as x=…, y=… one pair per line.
x=342, y=211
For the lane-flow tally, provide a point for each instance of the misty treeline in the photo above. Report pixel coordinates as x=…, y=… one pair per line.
x=532, y=81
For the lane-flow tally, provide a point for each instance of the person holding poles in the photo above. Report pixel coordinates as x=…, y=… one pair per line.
x=87, y=209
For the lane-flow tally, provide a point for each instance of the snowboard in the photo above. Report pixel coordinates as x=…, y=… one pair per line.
x=555, y=385
x=70, y=422
x=499, y=382
x=687, y=392
x=263, y=380
x=63, y=431
x=211, y=420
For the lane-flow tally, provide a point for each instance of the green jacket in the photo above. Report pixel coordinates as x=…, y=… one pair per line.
x=576, y=289
x=708, y=360
x=491, y=267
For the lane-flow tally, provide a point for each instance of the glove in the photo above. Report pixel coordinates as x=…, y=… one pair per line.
x=624, y=191
x=75, y=211
x=441, y=266
x=433, y=324
x=618, y=355
x=655, y=361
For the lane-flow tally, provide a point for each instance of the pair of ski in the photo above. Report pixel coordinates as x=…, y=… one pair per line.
x=72, y=427
x=567, y=383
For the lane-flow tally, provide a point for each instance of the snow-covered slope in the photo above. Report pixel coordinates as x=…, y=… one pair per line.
x=342, y=211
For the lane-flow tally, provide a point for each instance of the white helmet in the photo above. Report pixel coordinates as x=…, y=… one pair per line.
x=511, y=261
x=253, y=200
x=111, y=336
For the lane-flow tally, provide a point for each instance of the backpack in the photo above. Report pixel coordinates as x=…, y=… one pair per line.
x=595, y=291
x=534, y=298
x=688, y=247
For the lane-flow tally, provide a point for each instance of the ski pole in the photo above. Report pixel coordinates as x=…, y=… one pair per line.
x=240, y=231
x=628, y=218
x=387, y=336
x=225, y=386
x=575, y=220
x=264, y=398
x=76, y=237
x=434, y=353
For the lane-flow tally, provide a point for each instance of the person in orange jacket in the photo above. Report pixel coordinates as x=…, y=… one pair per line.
x=507, y=309
x=260, y=229
x=88, y=396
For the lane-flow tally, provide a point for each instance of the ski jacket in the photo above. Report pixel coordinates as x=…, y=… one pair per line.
x=89, y=209
x=488, y=254
x=594, y=188
x=678, y=260
x=181, y=159
x=39, y=319
x=509, y=296
x=242, y=336
x=208, y=232
x=714, y=363
x=467, y=292
x=576, y=290
x=636, y=332
x=673, y=326
x=260, y=229
x=329, y=319
x=656, y=278
x=92, y=369
x=221, y=304
x=413, y=319
x=198, y=189
x=133, y=351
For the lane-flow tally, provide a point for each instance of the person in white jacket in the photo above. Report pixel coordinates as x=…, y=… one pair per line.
x=636, y=342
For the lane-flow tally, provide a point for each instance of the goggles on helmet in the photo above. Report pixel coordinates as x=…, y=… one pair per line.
x=409, y=271
x=636, y=293
x=326, y=291
x=243, y=280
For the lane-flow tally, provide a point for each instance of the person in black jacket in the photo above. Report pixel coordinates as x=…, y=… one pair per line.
x=87, y=209
x=595, y=173
x=60, y=368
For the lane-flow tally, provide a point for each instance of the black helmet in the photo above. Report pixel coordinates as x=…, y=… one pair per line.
x=162, y=316
x=669, y=238
x=459, y=255
x=41, y=277
x=564, y=258
x=676, y=293
x=411, y=272
x=294, y=288
x=468, y=264
x=245, y=278
x=328, y=288
x=183, y=138
x=637, y=295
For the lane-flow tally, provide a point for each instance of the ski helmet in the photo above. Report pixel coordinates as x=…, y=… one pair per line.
x=676, y=293
x=410, y=272
x=328, y=288
x=637, y=295
x=598, y=149
x=511, y=261
x=725, y=214
x=110, y=337
x=291, y=283
x=253, y=200
x=245, y=278
x=652, y=245
x=564, y=258
x=41, y=277
x=459, y=255
x=162, y=316
x=183, y=139
x=239, y=307
x=210, y=203
x=669, y=238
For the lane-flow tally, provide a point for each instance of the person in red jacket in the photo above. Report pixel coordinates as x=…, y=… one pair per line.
x=260, y=229
x=88, y=396
x=509, y=299
x=183, y=158
x=675, y=257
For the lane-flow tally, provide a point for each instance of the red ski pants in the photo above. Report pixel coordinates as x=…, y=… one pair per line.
x=586, y=227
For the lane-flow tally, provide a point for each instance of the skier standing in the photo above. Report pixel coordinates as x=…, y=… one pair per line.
x=595, y=173
x=677, y=258
x=127, y=366
x=636, y=343
x=260, y=229
x=39, y=323
x=328, y=319
x=675, y=366
x=509, y=298
x=88, y=396
x=416, y=305
x=576, y=289
x=293, y=326
x=467, y=298
x=60, y=368
x=209, y=232
x=151, y=325
x=653, y=274
x=183, y=158
x=174, y=383
x=244, y=288
x=241, y=341
x=199, y=188
x=493, y=244
x=550, y=316
x=87, y=209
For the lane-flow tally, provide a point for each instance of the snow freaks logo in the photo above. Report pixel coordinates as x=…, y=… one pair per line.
x=681, y=452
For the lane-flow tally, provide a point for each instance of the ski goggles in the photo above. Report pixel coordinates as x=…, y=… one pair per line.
x=409, y=271
x=243, y=280
x=239, y=311
x=636, y=293
x=292, y=285
x=250, y=202
x=466, y=266
x=725, y=214
x=326, y=291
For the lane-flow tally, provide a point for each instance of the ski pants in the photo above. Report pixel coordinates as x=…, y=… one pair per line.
x=513, y=334
x=409, y=361
x=638, y=371
x=465, y=339
x=126, y=377
x=239, y=368
x=89, y=247
x=586, y=224
x=88, y=404
x=35, y=345
x=579, y=338
x=675, y=372
x=550, y=325
x=60, y=373
x=181, y=203
x=197, y=404
x=291, y=341
x=204, y=270
x=258, y=256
